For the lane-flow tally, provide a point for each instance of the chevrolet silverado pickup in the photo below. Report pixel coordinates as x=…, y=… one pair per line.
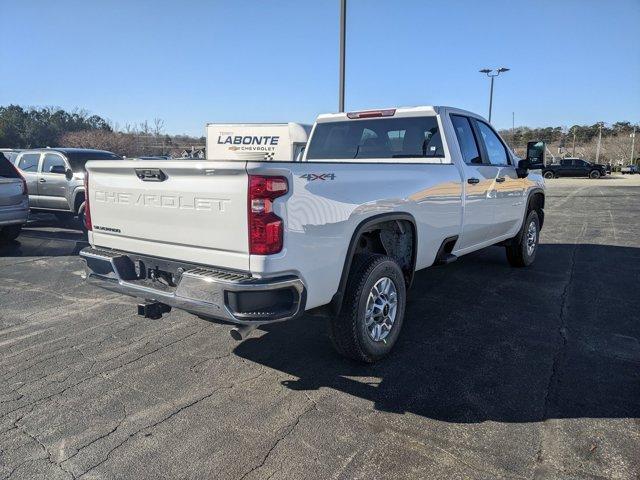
x=377, y=195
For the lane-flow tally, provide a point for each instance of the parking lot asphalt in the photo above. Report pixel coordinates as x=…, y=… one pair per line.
x=499, y=372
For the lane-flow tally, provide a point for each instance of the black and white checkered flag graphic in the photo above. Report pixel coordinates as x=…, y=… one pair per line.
x=269, y=155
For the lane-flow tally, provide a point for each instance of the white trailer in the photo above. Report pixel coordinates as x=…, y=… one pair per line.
x=256, y=141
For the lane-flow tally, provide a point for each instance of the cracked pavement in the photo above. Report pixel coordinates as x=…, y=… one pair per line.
x=499, y=372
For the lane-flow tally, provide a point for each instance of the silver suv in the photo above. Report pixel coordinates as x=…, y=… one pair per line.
x=14, y=205
x=55, y=178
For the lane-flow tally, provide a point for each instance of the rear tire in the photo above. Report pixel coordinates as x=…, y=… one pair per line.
x=549, y=175
x=523, y=253
x=372, y=312
x=10, y=233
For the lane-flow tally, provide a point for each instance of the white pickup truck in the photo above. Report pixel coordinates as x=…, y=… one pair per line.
x=378, y=195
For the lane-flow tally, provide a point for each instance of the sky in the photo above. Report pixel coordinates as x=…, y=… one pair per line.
x=196, y=61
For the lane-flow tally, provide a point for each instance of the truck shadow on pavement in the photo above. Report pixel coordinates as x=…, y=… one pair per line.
x=483, y=341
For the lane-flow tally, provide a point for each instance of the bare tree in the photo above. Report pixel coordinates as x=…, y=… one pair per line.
x=158, y=126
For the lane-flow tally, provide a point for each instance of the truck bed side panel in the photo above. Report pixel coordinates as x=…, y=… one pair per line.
x=327, y=201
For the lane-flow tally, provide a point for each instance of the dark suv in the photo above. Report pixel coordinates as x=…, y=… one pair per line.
x=574, y=167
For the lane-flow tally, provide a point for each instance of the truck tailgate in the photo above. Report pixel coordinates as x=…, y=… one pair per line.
x=188, y=210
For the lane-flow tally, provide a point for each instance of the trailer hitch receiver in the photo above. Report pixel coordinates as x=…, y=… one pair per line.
x=153, y=310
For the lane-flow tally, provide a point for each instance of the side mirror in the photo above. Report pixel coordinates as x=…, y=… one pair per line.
x=68, y=173
x=535, y=153
x=522, y=170
x=534, y=160
x=59, y=169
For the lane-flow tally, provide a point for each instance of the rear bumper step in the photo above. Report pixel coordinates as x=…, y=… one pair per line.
x=211, y=292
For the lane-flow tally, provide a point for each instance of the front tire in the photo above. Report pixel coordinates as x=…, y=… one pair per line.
x=372, y=312
x=594, y=174
x=523, y=253
x=549, y=175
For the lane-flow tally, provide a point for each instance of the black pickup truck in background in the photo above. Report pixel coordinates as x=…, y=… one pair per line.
x=573, y=167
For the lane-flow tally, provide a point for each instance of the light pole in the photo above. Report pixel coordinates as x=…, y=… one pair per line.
x=343, y=29
x=633, y=145
x=599, y=141
x=492, y=74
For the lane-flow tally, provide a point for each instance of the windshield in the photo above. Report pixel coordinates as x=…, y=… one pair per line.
x=402, y=137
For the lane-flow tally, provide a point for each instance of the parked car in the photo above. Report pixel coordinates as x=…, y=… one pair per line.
x=10, y=153
x=14, y=201
x=376, y=196
x=574, y=167
x=55, y=178
x=630, y=169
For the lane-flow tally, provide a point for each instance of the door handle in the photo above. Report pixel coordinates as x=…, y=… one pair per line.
x=42, y=180
x=500, y=179
x=473, y=181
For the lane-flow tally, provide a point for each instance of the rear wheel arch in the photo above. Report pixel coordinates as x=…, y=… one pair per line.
x=392, y=234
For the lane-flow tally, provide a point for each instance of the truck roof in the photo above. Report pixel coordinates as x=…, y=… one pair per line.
x=399, y=111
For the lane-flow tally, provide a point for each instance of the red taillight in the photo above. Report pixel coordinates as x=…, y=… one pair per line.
x=87, y=211
x=372, y=113
x=25, y=191
x=265, y=227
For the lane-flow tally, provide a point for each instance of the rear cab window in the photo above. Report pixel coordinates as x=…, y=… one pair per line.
x=466, y=140
x=379, y=138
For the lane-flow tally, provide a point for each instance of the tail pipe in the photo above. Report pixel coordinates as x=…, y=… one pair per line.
x=243, y=331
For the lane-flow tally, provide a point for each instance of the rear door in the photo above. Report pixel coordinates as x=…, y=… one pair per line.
x=480, y=176
x=187, y=210
x=52, y=187
x=28, y=163
x=507, y=190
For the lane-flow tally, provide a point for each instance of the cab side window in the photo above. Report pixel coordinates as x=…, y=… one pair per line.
x=496, y=150
x=51, y=160
x=29, y=162
x=467, y=140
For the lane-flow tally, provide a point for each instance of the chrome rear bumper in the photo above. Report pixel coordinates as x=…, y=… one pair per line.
x=226, y=295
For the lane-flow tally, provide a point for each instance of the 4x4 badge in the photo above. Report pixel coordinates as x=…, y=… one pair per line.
x=310, y=177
